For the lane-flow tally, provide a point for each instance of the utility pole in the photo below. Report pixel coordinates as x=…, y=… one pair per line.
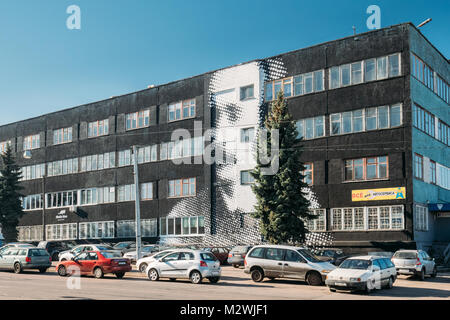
x=137, y=203
x=43, y=207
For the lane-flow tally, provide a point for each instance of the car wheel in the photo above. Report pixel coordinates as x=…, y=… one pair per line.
x=257, y=275
x=17, y=268
x=235, y=266
x=142, y=267
x=390, y=283
x=153, y=275
x=62, y=271
x=214, y=279
x=422, y=274
x=195, y=277
x=369, y=286
x=314, y=279
x=42, y=270
x=434, y=274
x=98, y=272
x=120, y=275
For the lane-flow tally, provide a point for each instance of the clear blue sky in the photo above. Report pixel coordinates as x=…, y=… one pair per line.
x=123, y=46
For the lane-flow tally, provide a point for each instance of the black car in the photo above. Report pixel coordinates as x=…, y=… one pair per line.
x=55, y=247
x=334, y=256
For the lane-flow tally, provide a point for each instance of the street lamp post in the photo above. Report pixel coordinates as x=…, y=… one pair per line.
x=137, y=203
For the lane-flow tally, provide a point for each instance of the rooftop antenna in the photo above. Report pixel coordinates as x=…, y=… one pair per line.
x=354, y=30
x=424, y=23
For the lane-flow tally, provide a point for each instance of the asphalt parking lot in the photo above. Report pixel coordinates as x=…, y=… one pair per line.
x=234, y=284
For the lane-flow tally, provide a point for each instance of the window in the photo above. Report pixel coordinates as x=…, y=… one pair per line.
x=295, y=86
x=374, y=69
x=36, y=171
x=421, y=218
x=443, y=132
x=182, y=188
x=309, y=174
x=181, y=110
x=98, y=162
x=126, y=193
x=246, y=177
x=367, y=218
x=319, y=223
x=29, y=233
x=311, y=128
x=182, y=226
x=147, y=191
x=97, y=230
x=418, y=166
x=371, y=168
x=32, y=202
x=432, y=172
x=422, y=72
x=424, y=120
x=98, y=128
x=126, y=228
x=137, y=120
x=247, y=92
x=360, y=120
x=31, y=142
x=247, y=134
x=257, y=253
x=62, y=135
x=3, y=145
x=66, y=231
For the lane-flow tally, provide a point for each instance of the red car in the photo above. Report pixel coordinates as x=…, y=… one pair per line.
x=95, y=262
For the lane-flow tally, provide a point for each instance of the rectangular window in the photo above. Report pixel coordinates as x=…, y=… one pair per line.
x=366, y=169
x=4, y=145
x=147, y=191
x=432, y=172
x=334, y=78
x=246, y=177
x=421, y=218
x=182, y=188
x=319, y=223
x=308, y=80
x=63, y=135
x=394, y=65
x=311, y=128
x=418, y=166
x=138, y=120
x=247, y=92
x=98, y=128
x=247, y=135
x=308, y=174
x=345, y=75
x=370, y=72
x=318, y=81
x=382, y=70
x=31, y=142
x=298, y=85
x=357, y=75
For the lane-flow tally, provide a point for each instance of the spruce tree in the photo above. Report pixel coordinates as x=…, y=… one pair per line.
x=281, y=203
x=10, y=203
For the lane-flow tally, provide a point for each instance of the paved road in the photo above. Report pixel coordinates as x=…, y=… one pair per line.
x=235, y=284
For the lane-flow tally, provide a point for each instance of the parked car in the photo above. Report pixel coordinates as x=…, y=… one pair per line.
x=126, y=246
x=145, y=252
x=97, y=263
x=275, y=261
x=362, y=273
x=221, y=253
x=143, y=263
x=237, y=255
x=19, y=258
x=331, y=255
x=414, y=262
x=186, y=264
x=69, y=254
x=55, y=247
x=16, y=245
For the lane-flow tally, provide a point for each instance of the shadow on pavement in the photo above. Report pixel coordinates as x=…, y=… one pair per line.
x=411, y=292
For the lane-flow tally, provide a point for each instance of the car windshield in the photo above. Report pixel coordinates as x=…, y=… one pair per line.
x=104, y=248
x=356, y=264
x=208, y=257
x=121, y=245
x=38, y=252
x=239, y=249
x=405, y=255
x=308, y=255
x=109, y=255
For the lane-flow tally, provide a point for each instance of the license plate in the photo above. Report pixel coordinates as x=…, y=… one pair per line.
x=342, y=284
x=215, y=273
x=122, y=263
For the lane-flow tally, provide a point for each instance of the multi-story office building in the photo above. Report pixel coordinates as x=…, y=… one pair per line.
x=373, y=111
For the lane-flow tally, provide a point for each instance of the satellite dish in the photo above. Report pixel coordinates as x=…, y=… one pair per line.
x=27, y=154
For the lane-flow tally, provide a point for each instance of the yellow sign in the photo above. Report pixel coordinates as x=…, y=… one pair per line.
x=398, y=193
